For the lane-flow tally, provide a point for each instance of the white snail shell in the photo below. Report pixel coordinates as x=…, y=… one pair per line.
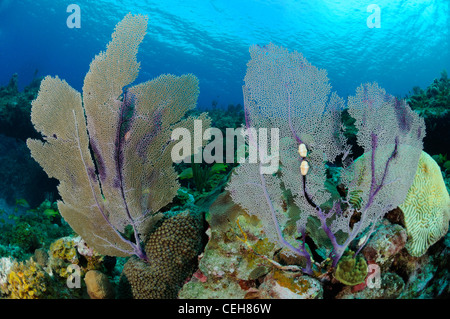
x=302, y=150
x=304, y=167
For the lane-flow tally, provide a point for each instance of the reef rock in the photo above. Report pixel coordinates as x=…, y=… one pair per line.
x=384, y=244
x=284, y=285
x=389, y=286
x=230, y=268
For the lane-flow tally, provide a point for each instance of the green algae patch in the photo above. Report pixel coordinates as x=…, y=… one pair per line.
x=351, y=270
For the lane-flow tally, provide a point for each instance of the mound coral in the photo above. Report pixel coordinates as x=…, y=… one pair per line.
x=172, y=253
x=426, y=208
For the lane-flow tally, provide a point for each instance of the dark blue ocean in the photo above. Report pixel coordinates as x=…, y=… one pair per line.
x=211, y=39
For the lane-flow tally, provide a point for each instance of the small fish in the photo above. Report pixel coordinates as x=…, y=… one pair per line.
x=22, y=202
x=218, y=167
x=186, y=174
x=51, y=213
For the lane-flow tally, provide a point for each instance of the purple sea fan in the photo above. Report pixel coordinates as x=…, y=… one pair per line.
x=283, y=90
x=384, y=174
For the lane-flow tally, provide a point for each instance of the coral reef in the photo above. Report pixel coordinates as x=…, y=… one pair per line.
x=323, y=226
x=228, y=268
x=240, y=262
x=24, y=236
x=30, y=229
x=46, y=273
x=117, y=208
x=204, y=181
x=433, y=103
x=254, y=245
x=286, y=98
x=391, y=287
x=20, y=175
x=15, y=109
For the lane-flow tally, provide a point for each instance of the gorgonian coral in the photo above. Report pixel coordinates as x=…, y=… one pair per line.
x=283, y=90
x=111, y=148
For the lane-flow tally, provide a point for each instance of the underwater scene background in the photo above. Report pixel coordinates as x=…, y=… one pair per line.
x=94, y=205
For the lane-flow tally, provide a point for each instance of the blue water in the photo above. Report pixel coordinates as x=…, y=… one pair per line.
x=211, y=40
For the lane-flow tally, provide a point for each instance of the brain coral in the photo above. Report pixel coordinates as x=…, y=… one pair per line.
x=172, y=252
x=426, y=208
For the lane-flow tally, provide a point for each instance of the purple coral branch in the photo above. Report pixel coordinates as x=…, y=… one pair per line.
x=156, y=126
x=125, y=107
x=299, y=251
x=302, y=249
x=299, y=141
x=100, y=208
x=374, y=189
x=338, y=249
x=386, y=169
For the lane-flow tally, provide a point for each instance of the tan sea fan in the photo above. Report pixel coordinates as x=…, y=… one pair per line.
x=110, y=148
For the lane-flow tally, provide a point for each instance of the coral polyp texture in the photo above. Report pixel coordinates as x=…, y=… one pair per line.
x=110, y=149
x=172, y=252
x=426, y=208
